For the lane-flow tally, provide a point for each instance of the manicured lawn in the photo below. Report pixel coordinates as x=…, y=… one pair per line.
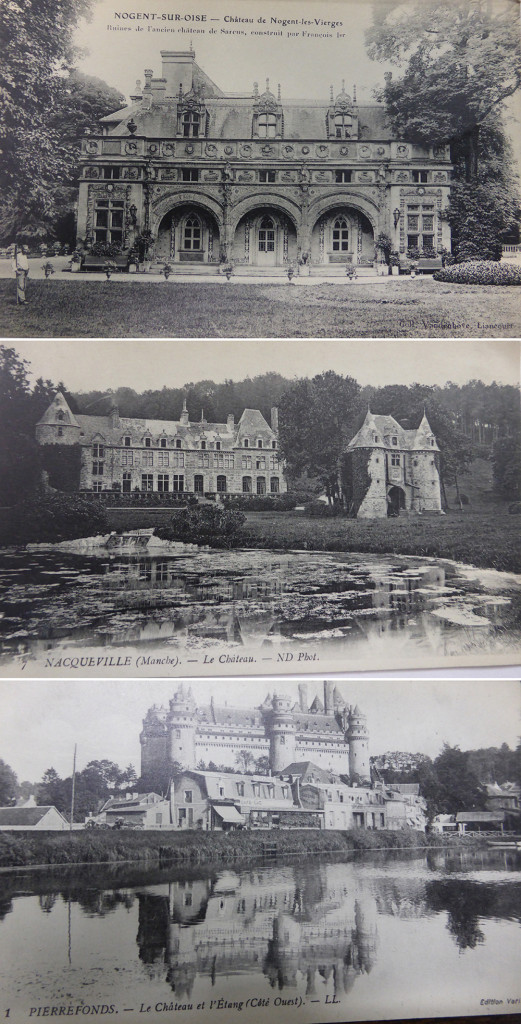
x=487, y=540
x=123, y=308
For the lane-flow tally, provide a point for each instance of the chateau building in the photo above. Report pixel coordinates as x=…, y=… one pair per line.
x=128, y=454
x=257, y=178
x=386, y=470
x=331, y=734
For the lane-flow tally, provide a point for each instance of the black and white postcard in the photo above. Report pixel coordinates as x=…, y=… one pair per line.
x=333, y=851
x=214, y=508
x=256, y=169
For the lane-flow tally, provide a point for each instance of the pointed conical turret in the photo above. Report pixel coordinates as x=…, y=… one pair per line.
x=58, y=425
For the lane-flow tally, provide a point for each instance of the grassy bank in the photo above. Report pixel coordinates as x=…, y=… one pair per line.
x=155, y=308
x=24, y=849
x=483, y=539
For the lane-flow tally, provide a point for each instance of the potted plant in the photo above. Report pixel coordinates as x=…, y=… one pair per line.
x=43, y=249
x=227, y=270
x=350, y=272
x=48, y=268
x=75, y=261
x=291, y=273
x=56, y=248
x=414, y=268
x=394, y=262
x=166, y=270
x=133, y=264
x=304, y=264
x=109, y=268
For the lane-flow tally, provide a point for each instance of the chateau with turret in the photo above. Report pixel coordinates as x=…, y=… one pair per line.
x=331, y=734
x=386, y=470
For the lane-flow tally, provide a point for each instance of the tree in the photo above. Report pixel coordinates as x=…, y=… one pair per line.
x=506, y=462
x=459, y=787
x=8, y=785
x=245, y=760
x=262, y=765
x=315, y=420
x=37, y=54
x=461, y=61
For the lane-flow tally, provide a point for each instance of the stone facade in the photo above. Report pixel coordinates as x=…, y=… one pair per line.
x=257, y=178
x=386, y=470
x=163, y=456
x=332, y=734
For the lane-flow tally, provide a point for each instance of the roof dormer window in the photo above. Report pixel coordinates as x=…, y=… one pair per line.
x=218, y=446
x=191, y=124
x=259, y=442
x=203, y=446
x=394, y=441
x=148, y=442
x=246, y=442
x=163, y=442
x=127, y=442
x=343, y=126
x=267, y=126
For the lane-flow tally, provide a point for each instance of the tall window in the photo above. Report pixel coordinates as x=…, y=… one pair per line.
x=108, y=221
x=267, y=235
x=127, y=458
x=111, y=173
x=178, y=483
x=148, y=442
x=98, y=451
x=198, y=484
x=267, y=176
x=420, y=176
x=341, y=177
x=147, y=481
x=420, y=226
x=246, y=461
x=221, y=484
x=261, y=485
x=127, y=483
x=274, y=485
x=178, y=443
x=191, y=122
x=395, y=459
x=340, y=235
x=162, y=482
x=163, y=459
x=267, y=126
x=163, y=442
x=192, y=234
x=343, y=126
x=97, y=486
x=190, y=174
x=127, y=441
x=147, y=459
x=97, y=468
x=246, y=485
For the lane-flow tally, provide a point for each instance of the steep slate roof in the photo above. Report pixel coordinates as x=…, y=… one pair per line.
x=28, y=816
x=385, y=427
x=303, y=768
x=251, y=424
x=231, y=114
x=485, y=816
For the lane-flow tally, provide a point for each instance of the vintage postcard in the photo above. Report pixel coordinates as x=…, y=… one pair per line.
x=318, y=852
x=190, y=162
x=357, y=512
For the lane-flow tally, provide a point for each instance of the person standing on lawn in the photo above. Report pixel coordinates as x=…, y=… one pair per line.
x=20, y=265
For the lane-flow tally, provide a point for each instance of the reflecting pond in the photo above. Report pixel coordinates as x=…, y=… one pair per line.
x=409, y=934
x=256, y=601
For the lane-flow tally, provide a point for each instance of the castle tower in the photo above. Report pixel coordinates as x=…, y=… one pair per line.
x=424, y=470
x=182, y=726
x=281, y=734
x=358, y=739
x=58, y=424
x=153, y=740
x=362, y=475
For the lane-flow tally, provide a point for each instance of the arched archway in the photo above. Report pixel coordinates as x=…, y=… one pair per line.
x=395, y=501
x=188, y=232
x=264, y=237
x=342, y=234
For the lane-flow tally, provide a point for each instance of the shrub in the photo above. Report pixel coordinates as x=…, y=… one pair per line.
x=205, y=524
x=262, y=502
x=108, y=249
x=320, y=510
x=54, y=516
x=480, y=272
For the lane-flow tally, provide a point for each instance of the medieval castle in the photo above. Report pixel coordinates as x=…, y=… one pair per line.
x=332, y=735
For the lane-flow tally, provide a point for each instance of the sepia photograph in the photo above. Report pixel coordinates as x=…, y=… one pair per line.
x=193, y=509
x=319, y=851
x=171, y=172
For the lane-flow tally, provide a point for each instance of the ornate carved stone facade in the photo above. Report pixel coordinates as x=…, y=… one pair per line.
x=255, y=178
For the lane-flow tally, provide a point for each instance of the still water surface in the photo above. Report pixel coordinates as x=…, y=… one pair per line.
x=255, y=601
x=408, y=935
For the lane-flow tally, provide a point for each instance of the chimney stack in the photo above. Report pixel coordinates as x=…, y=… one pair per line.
x=275, y=419
x=114, y=417
x=230, y=422
x=178, y=69
x=329, y=703
x=303, y=696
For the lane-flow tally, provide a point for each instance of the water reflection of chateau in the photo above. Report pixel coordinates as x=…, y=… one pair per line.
x=254, y=601
x=297, y=923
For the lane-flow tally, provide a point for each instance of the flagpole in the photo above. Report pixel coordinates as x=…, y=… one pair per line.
x=73, y=793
